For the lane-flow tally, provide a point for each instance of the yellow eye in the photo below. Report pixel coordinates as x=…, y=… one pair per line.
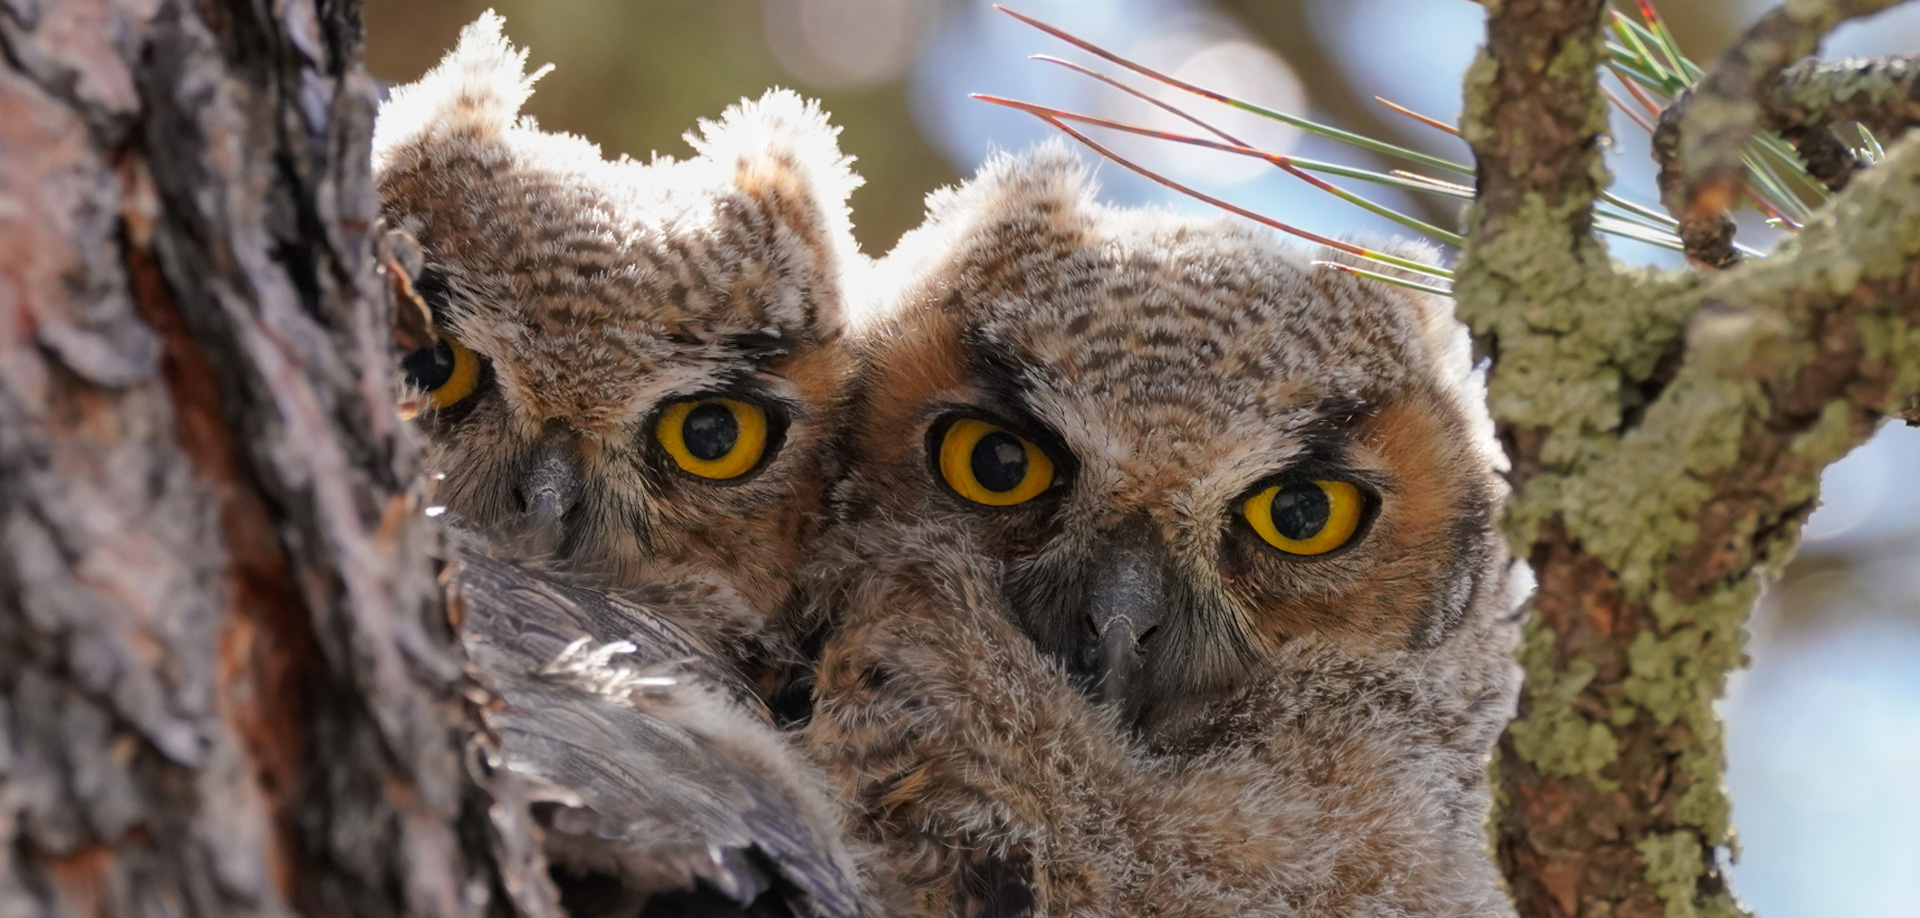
x=988, y=465
x=714, y=437
x=1306, y=517
x=446, y=372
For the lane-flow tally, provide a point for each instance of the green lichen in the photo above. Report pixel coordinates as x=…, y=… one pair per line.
x=1572, y=329
x=1868, y=233
x=1576, y=63
x=1555, y=736
x=1634, y=500
x=1839, y=429
x=1893, y=342
x=1831, y=86
x=1676, y=672
x=1636, y=505
x=1675, y=862
x=1710, y=118
x=1705, y=804
x=1574, y=337
x=1723, y=606
x=1667, y=677
x=1830, y=437
x=1675, y=675
x=1481, y=74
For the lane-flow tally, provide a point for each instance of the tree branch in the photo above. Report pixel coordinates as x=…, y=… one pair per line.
x=1702, y=136
x=1881, y=94
x=1535, y=116
x=1666, y=434
x=1811, y=97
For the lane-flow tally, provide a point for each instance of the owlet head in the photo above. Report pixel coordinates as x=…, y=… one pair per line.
x=634, y=360
x=1186, y=445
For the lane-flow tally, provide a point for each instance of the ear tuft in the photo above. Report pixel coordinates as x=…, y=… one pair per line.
x=779, y=158
x=1048, y=179
x=474, y=93
x=783, y=145
x=1013, y=202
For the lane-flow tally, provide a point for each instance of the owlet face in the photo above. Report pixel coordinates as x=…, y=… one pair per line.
x=635, y=359
x=1184, y=444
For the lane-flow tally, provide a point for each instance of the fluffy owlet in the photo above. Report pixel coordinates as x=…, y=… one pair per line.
x=635, y=360
x=627, y=385
x=1164, y=578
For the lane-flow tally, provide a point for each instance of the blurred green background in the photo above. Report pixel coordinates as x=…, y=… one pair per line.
x=633, y=75
x=1824, y=731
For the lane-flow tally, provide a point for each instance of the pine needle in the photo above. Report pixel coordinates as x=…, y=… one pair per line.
x=1643, y=55
x=1358, y=140
x=1293, y=166
x=1262, y=219
x=1167, y=107
x=1384, y=278
x=1640, y=95
x=1423, y=119
x=1632, y=115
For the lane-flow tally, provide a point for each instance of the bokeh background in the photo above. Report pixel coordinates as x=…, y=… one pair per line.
x=1824, y=729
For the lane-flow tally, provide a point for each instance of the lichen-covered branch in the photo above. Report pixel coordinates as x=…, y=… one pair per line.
x=1534, y=116
x=1812, y=97
x=1701, y=137
x=1667, y=434
x=227, y=686
x=1706, y=235
x=1882, y=94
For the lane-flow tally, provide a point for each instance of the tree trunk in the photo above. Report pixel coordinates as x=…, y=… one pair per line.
x=1667, y=434
x=227, y=685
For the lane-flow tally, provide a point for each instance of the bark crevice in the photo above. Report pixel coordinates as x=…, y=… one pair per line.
x=227, y=683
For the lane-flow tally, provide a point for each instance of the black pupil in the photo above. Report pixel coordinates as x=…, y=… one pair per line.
x=710, y=432
x=429, y=368
x=999, y=462
x=1301, y=510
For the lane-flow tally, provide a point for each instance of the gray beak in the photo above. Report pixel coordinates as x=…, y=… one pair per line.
x=553, y=484
x=1128, y=600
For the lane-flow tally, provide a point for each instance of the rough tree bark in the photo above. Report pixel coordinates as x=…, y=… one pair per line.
x=1667, y=433
x=227, y=685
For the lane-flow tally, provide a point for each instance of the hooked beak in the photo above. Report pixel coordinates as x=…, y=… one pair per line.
x=553, y=484
x=1127, y=603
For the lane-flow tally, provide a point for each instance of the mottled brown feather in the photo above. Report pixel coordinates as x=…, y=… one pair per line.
x=1316, y=736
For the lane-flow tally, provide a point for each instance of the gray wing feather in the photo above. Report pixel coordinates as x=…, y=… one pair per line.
x=628, y=792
